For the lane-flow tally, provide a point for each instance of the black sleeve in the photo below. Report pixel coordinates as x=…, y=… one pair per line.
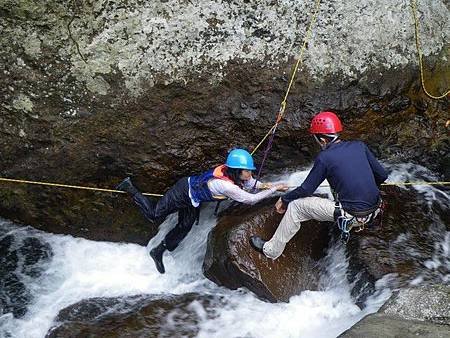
x=316, y=176
x=379, y=172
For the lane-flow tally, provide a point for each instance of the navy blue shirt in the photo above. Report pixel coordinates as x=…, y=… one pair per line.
x=352, y=171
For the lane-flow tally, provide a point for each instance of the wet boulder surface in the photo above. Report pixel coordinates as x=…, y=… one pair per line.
x=231, y=261
x=405, y=240
x=94, y=92
x=406, y=245
x=136, y=316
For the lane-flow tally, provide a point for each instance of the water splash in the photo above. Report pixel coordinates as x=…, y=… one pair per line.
x=79, y=269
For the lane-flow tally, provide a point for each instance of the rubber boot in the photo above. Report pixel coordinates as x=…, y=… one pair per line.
x=257, y=243
x=127, y=186
x=157, y=255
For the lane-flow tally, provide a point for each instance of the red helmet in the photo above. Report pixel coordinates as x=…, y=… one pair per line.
x=325, y=122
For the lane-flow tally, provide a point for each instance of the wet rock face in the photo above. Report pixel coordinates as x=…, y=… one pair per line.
x=21, y=259
x=138, y=316
x=407, y=239
x=93, y=92
x=405, y=246
x=422, y=311
x=232, y=262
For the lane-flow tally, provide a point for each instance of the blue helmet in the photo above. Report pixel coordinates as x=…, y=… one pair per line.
x=240, y=159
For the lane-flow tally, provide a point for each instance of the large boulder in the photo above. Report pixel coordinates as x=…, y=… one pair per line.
x=411, y=312
x=410, y=229
x=135, y=316
x=231, y=261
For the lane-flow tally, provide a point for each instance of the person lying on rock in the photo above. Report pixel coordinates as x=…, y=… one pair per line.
x=354, y=175
x=231, y=180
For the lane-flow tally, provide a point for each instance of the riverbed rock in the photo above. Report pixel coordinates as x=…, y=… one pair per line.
x=413, y=231
x=136, y=316
x=411, y=312
x=231, y=261
x=22, y=257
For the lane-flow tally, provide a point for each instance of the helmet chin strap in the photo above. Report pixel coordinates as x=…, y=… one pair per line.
x=323, y=144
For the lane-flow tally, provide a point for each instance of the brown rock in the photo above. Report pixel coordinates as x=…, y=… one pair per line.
x=232, y=262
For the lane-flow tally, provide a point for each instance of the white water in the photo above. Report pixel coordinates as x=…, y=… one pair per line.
x=82, y=269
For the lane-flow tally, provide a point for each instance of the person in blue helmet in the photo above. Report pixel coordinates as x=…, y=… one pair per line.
x=231, y=180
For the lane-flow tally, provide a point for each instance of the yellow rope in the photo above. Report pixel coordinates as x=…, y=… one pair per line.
x=264, y=138
x=159, y=195
x=419, y=52
x=69, y=186
x=293, y=74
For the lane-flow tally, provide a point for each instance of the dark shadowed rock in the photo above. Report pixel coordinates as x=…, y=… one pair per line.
x=410, y=229
x=232, y=262
x=20, y=257
x=137, y=316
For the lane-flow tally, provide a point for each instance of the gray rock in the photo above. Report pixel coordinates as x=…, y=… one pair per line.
x=108, y=89
x=383, y=326
x=422, y=311
x=424, y=303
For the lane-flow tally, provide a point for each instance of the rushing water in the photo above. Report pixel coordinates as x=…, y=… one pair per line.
x=70, y=269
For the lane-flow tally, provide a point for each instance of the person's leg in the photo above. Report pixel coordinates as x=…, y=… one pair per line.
x=146, y=206
x=177, y=197
x=300, y=210
x=186, y=218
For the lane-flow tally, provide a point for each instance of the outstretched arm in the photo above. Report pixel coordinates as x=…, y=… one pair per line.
x=248, y=185
x=235, y=193
x=315, y=177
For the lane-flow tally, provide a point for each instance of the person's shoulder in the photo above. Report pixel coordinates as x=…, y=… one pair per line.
x=322, y=157
x=357, y=144
x=221, y=182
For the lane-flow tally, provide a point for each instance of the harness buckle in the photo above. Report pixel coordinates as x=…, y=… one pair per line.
x=346, y=221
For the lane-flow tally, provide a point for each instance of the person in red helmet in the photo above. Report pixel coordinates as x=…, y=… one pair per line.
x=354, y=175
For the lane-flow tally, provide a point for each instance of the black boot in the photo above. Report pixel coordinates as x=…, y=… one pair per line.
x=257, y=243
x=127, y=186
x=157, y=255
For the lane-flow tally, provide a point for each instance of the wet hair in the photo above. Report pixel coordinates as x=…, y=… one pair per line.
x=234, y=174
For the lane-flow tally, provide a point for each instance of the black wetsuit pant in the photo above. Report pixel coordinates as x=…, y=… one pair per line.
x=176, y=199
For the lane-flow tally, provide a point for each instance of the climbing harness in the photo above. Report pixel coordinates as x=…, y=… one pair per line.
x=357, y=220
x=419, y=53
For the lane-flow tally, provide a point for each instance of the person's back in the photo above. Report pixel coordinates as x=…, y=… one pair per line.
x=353, y=173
